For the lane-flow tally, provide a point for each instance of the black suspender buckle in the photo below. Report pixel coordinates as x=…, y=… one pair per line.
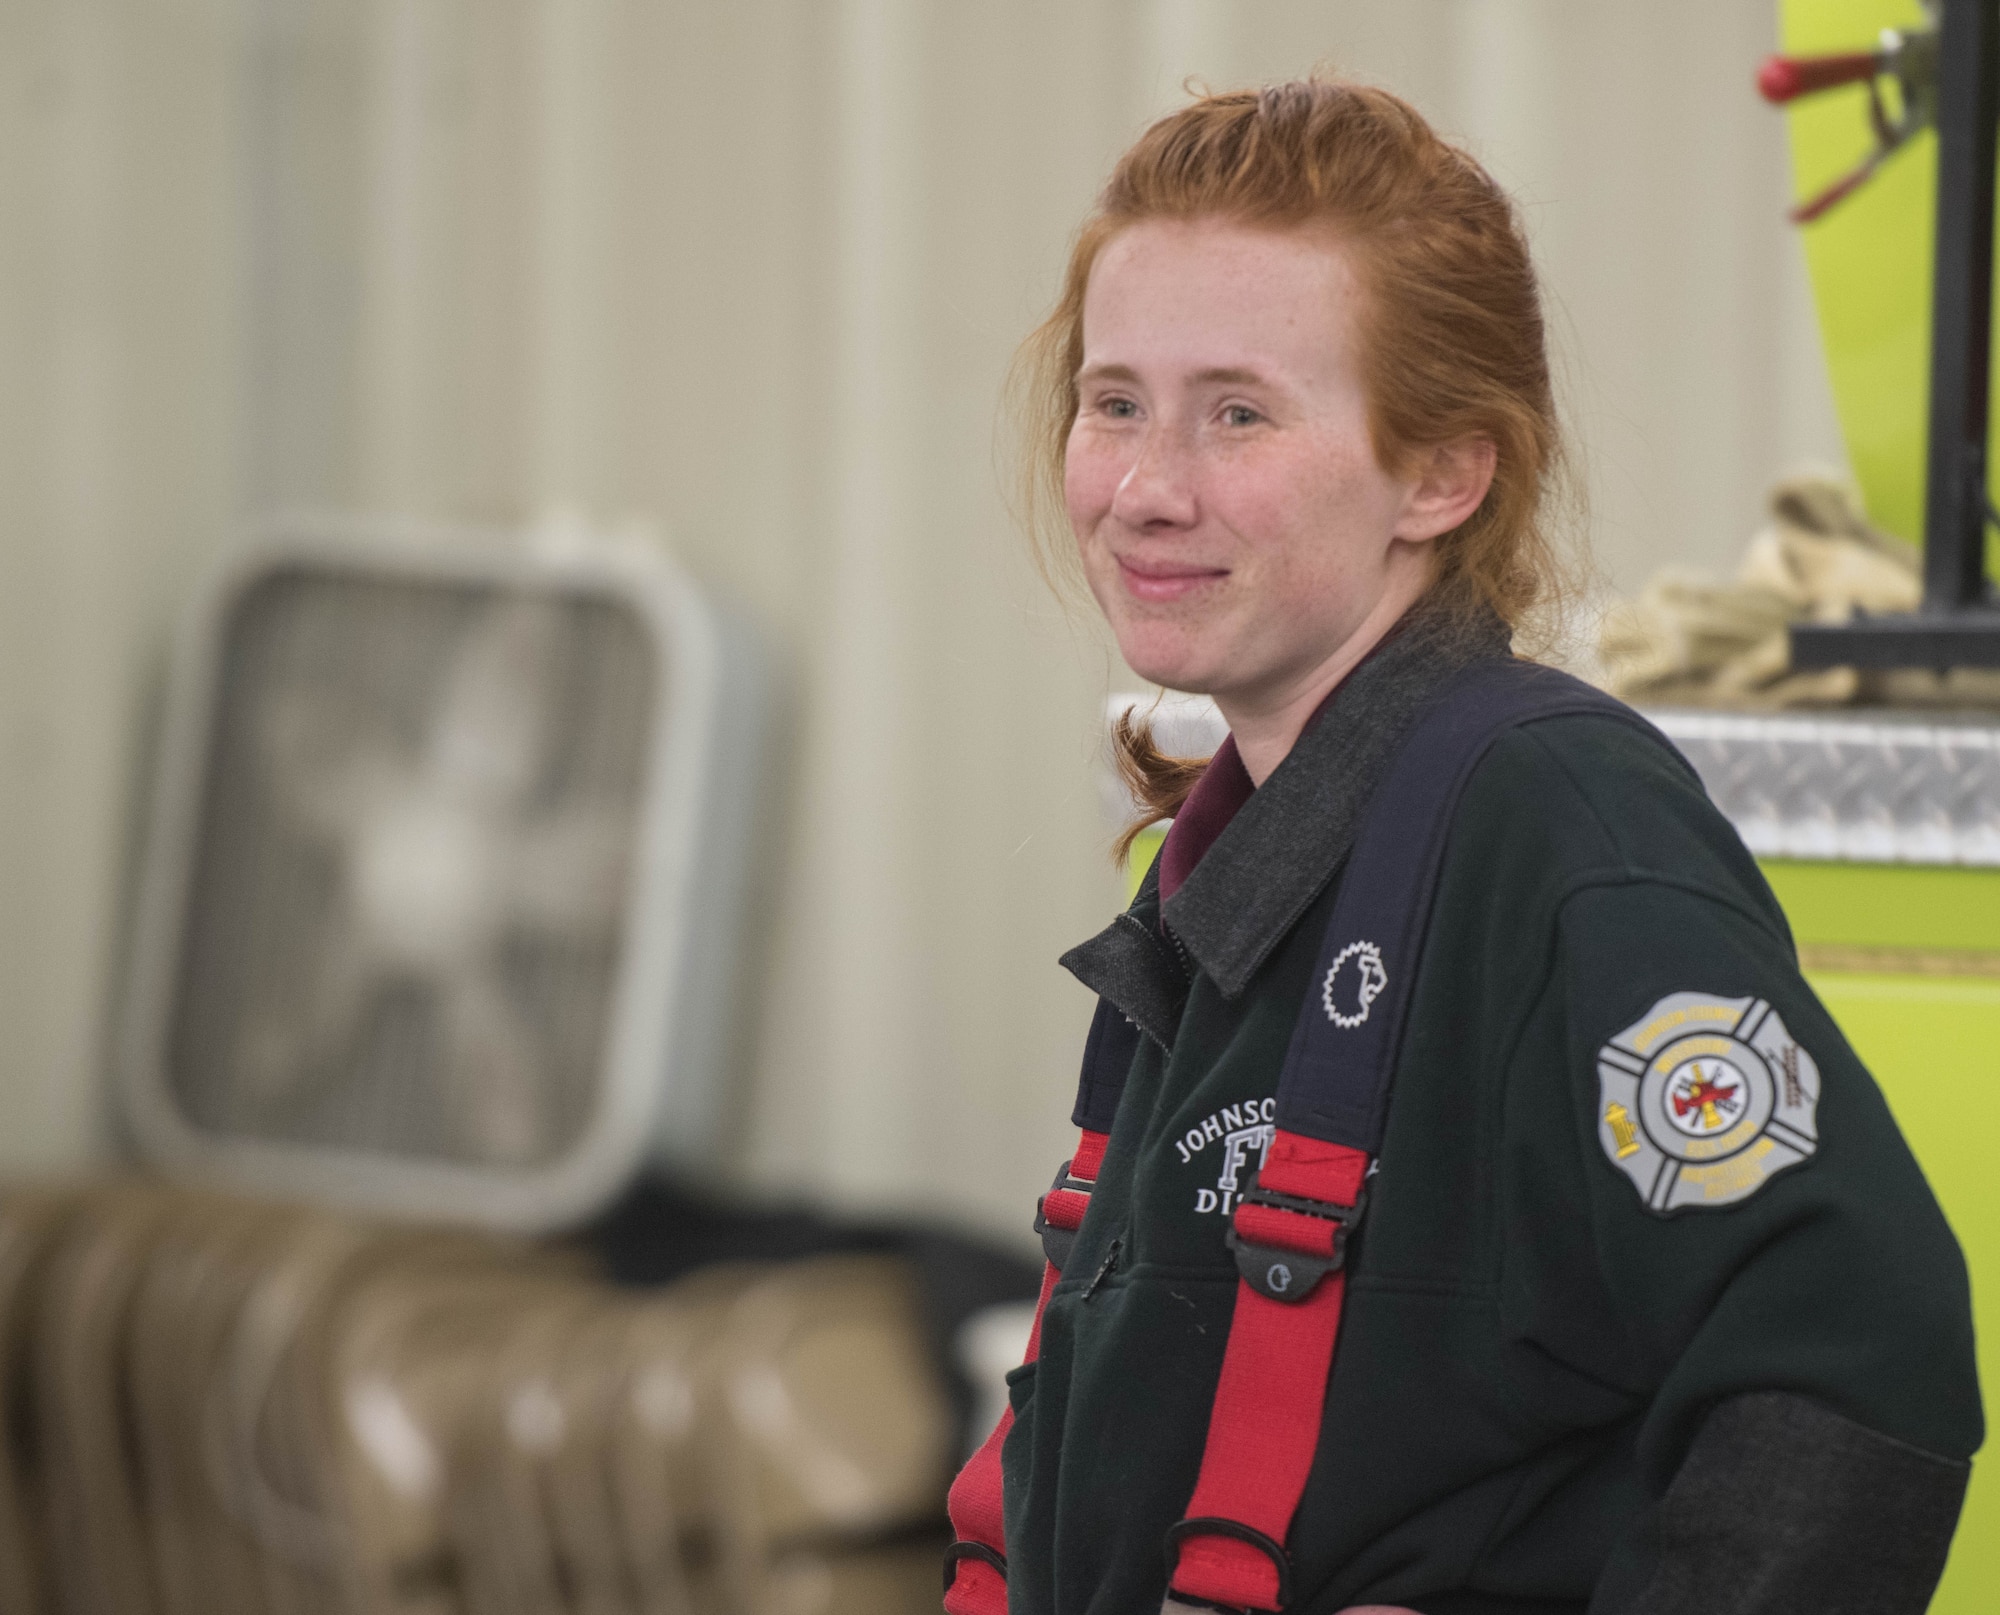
x=1058, y=1242
x=1280, y=1272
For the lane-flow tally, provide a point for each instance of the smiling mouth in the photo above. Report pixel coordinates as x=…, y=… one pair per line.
x=1157, y=581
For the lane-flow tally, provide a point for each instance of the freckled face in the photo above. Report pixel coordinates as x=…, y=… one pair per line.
x=1234, y=524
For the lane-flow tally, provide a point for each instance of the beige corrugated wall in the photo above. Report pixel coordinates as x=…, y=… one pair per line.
x=752, y=270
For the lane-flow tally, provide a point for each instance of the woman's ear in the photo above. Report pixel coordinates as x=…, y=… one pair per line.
x=1451, y=480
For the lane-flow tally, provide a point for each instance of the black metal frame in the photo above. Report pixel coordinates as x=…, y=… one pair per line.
x=1958, y=624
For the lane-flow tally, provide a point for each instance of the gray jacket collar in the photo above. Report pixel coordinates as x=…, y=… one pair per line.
x=1288, y=841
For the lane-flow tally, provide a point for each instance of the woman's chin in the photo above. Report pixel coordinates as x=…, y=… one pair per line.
x=1190, y=678
x=1170, y=660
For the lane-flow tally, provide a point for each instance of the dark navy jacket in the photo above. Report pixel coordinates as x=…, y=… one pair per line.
x=1549, y=1396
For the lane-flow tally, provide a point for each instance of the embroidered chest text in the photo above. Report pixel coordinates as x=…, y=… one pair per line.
x=1243, y=1135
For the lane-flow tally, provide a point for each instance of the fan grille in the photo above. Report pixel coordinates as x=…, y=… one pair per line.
x=406, y=908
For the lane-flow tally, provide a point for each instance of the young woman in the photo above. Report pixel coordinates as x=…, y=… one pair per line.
x=1650, y=1309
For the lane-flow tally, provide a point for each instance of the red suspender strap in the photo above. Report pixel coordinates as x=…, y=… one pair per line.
x=975, y=1567
x=1289, y=1235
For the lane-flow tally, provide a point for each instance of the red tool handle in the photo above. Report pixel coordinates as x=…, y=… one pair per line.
x=1786, y=78
x=1838, y=191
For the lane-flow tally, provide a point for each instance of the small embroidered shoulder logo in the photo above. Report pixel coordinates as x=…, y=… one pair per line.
x=1703, y=1100
x=1347, y=1002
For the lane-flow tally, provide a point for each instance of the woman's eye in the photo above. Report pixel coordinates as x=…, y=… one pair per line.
x=1119, y=409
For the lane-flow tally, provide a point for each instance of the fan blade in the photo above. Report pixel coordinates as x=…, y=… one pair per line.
x=495, y=1098
x=287, y=1054
x=326, y=759
x=567, y=872
x=490, y=728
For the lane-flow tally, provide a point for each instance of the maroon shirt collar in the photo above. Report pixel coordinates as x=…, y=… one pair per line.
x=1214, y=801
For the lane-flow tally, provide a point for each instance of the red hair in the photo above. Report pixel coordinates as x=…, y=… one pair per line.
x=1452, y=346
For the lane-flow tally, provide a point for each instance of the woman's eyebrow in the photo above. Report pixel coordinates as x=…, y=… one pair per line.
x=1107, y=372
x=1216, y=375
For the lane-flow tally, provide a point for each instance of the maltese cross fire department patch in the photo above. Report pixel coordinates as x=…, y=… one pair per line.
x=1703, y=1100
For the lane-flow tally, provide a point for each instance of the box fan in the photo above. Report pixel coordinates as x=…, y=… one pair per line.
x=443, y=871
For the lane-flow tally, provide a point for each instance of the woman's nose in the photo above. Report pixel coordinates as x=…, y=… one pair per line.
x=1157, y=489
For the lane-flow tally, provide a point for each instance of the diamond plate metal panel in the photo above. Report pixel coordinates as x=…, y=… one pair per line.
x=1852, y=787
x=1857, y=788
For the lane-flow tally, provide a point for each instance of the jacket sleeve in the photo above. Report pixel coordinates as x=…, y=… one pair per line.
x=1794, y=1320
x=1783, y=1507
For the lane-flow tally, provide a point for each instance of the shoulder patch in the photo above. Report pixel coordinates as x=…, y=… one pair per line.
x=1703, y=1100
